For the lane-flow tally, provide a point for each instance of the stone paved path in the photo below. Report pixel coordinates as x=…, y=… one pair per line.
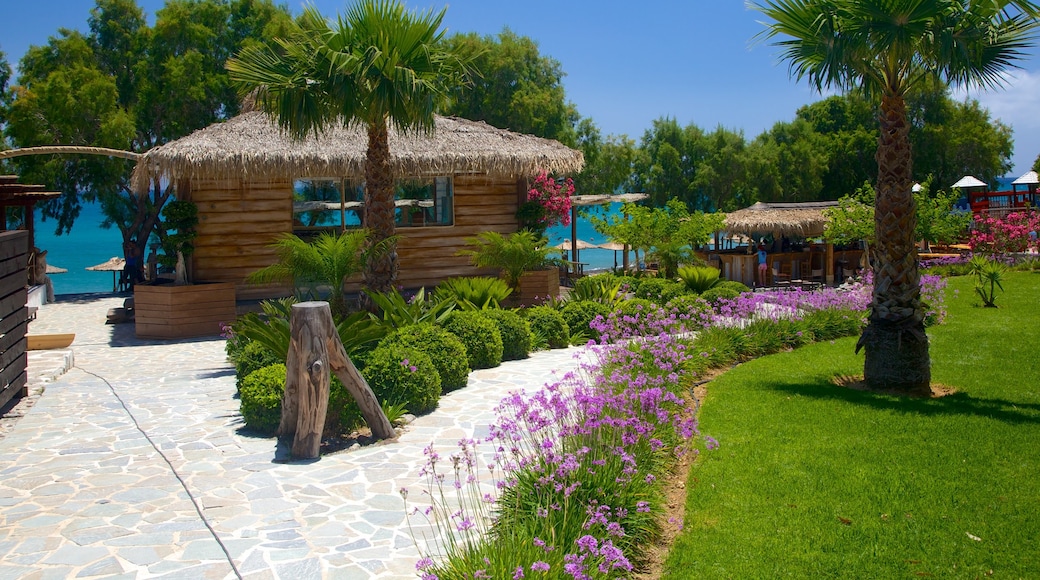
x=84, y=492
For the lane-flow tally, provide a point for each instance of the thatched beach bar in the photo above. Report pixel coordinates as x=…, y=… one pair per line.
x=244, y=176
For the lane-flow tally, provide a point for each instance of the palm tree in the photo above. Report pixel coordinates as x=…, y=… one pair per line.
x=889, y=47
x=379, y=65
x=314, y=267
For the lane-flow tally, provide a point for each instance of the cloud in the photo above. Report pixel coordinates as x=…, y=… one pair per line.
x=1016, y=104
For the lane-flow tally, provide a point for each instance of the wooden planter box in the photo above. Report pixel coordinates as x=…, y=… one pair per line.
x=536, y=285
x=168, y=311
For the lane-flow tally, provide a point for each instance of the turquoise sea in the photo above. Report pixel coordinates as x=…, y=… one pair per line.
x=86, y=245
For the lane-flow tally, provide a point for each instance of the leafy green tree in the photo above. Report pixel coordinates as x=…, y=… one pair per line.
x=665, y=165
x=379, y=65
x=798, y=156
x=131, y=87
x=670, y=233
x=5, y=79
x=517, y=88
x=722, y=172
x=608, y=163
x=846, y=133
x=889, y=47
x=952, y=139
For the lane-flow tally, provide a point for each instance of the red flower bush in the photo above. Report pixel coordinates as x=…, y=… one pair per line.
x=993, y=236
x=555, y=199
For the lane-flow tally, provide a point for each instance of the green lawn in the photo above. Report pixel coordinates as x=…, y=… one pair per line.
x=812, y=480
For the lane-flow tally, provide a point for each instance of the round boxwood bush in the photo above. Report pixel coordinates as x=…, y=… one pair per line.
x=445, y=350
x=516, y=333
x=580, y=314
x=399, y=374
x=261, y=402
x=261, y=398
x=253, y=357
x=687, y=304
x=660, y=290
x=480, y=335
x=717, y=293
x=550, y=324
x=636, y=307
x=734, y=285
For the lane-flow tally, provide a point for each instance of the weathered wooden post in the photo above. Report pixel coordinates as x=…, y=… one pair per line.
x=314, y=351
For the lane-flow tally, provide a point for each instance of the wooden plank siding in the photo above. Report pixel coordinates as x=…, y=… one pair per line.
x=14, y=258
x=239, y=219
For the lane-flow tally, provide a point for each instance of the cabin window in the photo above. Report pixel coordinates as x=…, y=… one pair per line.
x=338, y=204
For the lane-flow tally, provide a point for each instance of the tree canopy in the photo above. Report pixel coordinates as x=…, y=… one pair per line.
x=515, y=88
x=126, y=85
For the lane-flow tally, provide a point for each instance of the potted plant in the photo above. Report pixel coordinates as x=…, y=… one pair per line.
x=526, y=262
x=178, y=308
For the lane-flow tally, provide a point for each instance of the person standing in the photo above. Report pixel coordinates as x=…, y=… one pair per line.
x=762, y=267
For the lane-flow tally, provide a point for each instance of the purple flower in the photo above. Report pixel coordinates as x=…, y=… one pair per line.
x=539, y=566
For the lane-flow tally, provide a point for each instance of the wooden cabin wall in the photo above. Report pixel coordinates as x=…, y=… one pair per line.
x=238, y=220
x=427, y=255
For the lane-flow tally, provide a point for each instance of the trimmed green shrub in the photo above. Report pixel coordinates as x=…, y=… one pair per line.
x=579, y=315
x=516, y=333
x=445, y=350
x=261, y=398
x=719, y=293
x=480, y=335
x=550, y=324
x=734, y=285
x=687, y=304
x=660, y=290
x=402, y=375
x=253, y=357
x=636, y=307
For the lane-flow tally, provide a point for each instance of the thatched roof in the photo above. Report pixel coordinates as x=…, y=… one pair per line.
x=781, y=219
x=251, y=145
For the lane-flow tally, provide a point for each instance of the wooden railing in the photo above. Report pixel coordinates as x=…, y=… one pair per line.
x=14, y=316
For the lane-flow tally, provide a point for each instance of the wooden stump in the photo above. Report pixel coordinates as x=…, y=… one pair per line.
x=314, y=351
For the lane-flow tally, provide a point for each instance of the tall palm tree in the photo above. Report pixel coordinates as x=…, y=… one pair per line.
x=378, y=65
x=889, y=47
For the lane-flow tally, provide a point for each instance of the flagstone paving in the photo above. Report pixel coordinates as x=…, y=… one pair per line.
x=133, y=464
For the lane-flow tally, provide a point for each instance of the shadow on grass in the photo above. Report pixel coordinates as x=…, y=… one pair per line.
x=959, y=403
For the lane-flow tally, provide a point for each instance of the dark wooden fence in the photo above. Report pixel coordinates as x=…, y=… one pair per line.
x=14, y=316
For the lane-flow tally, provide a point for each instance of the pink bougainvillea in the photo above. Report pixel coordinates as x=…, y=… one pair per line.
x=992, y=236
x=554, y=197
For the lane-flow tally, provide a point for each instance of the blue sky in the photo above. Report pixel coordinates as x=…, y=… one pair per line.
x=627, y=63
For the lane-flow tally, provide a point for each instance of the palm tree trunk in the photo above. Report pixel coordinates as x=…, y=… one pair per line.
x=895, y=341
x=381, y=270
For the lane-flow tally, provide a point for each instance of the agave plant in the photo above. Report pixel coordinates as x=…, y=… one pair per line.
x=699, y=278
x=476, y=293
x=397, y=312
x=602, y=289
x=989, y=276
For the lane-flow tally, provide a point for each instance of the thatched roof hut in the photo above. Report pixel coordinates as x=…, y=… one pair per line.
x=250, y=183
x=781, y=219
x=252, y=145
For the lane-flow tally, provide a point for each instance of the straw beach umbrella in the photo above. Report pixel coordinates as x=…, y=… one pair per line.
x=114, y=265
x=56, y=270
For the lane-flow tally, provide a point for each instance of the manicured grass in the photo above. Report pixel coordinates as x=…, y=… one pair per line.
x=812, y=480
